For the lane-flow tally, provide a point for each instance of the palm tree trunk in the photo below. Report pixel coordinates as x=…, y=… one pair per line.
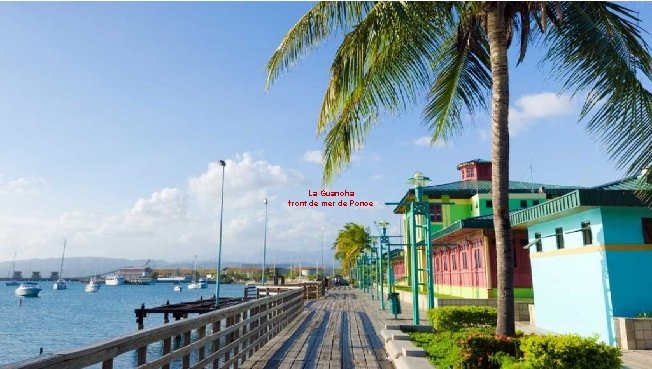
x=496, y=30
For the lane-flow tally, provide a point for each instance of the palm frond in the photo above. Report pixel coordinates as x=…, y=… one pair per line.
x=319, y=23
x=383, y=66
x=598, y=47
x=463, y=79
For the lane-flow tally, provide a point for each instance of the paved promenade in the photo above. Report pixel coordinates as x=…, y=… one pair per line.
x=341, y=331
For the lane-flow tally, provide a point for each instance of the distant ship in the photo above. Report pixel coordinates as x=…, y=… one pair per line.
x=115, y=280
x=60, y=284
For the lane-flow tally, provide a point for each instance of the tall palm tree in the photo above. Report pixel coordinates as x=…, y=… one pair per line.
x=394, y=54
x=351, y=240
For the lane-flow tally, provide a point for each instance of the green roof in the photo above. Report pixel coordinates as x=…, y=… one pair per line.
x=575, y=201
x=483, y=221
x=629, y=183
x=472, y=187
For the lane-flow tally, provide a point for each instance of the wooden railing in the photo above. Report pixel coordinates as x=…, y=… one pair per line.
x=310, y=290
x=220, y=339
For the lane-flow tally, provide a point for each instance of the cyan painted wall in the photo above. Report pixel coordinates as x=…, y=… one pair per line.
x=624, y=224
x=630, y=281
x=580, y=292
x=568, y=223
x=571, y=295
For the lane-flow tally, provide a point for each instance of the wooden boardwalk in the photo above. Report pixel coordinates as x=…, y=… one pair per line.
x=341, y=331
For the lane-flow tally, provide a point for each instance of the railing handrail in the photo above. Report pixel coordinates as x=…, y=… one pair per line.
x=100, y=351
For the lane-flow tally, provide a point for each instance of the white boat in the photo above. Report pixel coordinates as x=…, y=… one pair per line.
x=28, y=289
x=92, y=286
x=197, y=284
x=177, y=288
x=201, y=283
x=60, y=284
x=115, y=280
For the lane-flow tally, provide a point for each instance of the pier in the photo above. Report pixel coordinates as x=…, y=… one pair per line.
x=280, y=331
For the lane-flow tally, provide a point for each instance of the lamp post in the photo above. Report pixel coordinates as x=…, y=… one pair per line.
x=418, y=211
x=384, y=240
x=219, y=249
x=265, y=244
x=322, y=254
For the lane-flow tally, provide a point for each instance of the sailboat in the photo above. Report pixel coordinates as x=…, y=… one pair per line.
x=60, y=284
x=12, y=269
x=196, y=284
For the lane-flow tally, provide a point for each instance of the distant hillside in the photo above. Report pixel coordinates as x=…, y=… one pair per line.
x=73, y=266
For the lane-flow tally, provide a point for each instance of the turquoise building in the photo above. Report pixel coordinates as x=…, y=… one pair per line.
x=590, y=256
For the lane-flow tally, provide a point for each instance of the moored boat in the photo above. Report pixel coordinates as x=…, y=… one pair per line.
x=60, y=284
x=115, y=280
x=178, y=288
x=28, y=289
x=92, y=286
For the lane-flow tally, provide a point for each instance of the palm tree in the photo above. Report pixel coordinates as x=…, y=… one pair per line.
x=394, y=54
x=351, y=240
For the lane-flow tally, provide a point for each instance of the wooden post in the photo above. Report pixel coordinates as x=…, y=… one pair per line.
x=167, y=348
x=186, y=357
x=236, y=336
x=216, y=342
x=201, y=354
x=107, y=364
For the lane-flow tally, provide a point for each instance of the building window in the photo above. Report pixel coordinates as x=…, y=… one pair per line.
x=445, y=259
x=559, y=236
x=523, y=204
x=435, y=213
x=489, y=204
x=539, y=245
x=469, y=172
x=587, y=235
x=436, y=264
x=478, y=261
x=454, y=262
x=535, y=202
x=465, y=264
x=647, y=230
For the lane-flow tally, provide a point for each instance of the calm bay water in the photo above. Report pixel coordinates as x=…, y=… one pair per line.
x=58, y=320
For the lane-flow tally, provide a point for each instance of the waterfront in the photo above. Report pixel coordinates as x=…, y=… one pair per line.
x=70, y=318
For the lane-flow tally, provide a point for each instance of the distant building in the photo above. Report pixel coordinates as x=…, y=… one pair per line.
x=18, y=274
x=36, y=275
x=54, y=276
x=134, y=272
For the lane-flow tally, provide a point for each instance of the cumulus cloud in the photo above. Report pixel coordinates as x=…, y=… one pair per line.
x=24, y=186
x=162, y=207
x=529, y=109
x=246, y=181
x=312, y=156
x=425, y=141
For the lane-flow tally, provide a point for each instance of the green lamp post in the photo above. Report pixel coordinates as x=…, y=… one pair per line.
x=419, y=219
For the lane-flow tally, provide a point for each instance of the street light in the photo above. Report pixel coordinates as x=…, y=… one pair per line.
x=265, y=243
x=322, y=253
x=219, y=249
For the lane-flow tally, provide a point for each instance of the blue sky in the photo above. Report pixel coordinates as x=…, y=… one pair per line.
x=112, y=113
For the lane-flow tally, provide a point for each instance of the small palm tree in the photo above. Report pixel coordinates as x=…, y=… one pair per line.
x=395, y=53
x=351, y=240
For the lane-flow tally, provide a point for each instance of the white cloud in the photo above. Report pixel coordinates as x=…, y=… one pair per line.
x=312, y=156
x=25, y=186
x=531, y=108
x=425, y=141
x=246, y=181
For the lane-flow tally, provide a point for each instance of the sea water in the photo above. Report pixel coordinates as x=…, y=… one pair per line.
x=59, y=320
